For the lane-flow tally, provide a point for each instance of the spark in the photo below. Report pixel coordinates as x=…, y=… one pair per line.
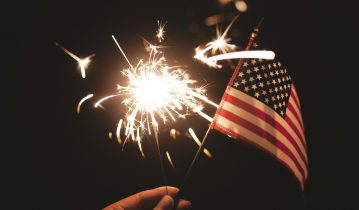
x=82, y=100
x=118, y=131
x=205, y=116
x=219, y=44
x=173, y=133
x=83, y=63
x=160, y=31
x=198, y=142
x=169, y=159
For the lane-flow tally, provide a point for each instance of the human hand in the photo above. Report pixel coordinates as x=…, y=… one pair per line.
x=156, y=199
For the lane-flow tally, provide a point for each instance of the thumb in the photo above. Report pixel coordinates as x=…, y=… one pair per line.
x=166, y=203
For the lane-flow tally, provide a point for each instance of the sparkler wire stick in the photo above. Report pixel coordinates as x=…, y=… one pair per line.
x=160, y=157
x=240, y=62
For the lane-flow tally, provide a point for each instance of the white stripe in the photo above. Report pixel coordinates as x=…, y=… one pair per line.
x=261, y=142
x=269, y=128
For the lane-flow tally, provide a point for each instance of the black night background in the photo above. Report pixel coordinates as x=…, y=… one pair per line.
x=53, y=158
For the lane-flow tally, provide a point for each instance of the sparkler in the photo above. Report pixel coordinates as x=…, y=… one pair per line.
x=221, y=45
x=154, y=94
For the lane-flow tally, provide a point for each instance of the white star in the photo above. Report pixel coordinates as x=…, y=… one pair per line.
x=264, y=92
x=274, y=82
x=275, y=106
x=274, y=65
x=257, y=94
x=248, y=71
x=263, y=67
x=269, y=66
x=283, y=103
x=245, y=64
x=268, y=83
x=278, y=97
x=254, y=87
x=240, y=74
x=276, y=72
x=266, y=100
x=256, y=69
x=246, y=89
x=270, y=91
x=280, y=88
x=286, y=95
x=279, y=80
x=251, y=79
x=271, y=73
x=279, y=64
x=282, y=96
x=281, y=71
x=236, y=84
x=265, y=75
x=276, y=89
x=253, y=61
x=260, y=60
x=259, y=77
x=273, y=98
x=261, y=84
x=281, y=112
x=255, y=45
x=280, y=105
x=244, y=81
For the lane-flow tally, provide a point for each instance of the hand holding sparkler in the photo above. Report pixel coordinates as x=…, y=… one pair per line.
x=151, y=199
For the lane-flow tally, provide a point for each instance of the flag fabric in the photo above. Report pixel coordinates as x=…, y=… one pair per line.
x=261, y=106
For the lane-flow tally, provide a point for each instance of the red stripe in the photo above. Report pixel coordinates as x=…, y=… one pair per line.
x=239, y=136
x=257, y=130
x=291, y=108
x=269, y=119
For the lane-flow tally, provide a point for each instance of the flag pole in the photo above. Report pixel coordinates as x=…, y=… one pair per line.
x=230, y=83
x=250, y=42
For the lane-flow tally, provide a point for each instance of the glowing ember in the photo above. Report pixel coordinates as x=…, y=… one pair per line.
x=82, y=100
x=83, y=63
x=160, y=31
x=198, y=142
x=169, y=159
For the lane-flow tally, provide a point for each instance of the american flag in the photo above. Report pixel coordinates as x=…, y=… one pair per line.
x=261, y=106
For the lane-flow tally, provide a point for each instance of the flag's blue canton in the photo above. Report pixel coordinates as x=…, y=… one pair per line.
x=266, y=80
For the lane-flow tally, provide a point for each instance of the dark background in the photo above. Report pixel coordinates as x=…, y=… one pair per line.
x=55, y=159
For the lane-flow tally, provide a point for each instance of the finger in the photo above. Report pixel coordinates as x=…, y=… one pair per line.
x=142, y=200
x=166, y=203
x=150, y=198
x=183, y=205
